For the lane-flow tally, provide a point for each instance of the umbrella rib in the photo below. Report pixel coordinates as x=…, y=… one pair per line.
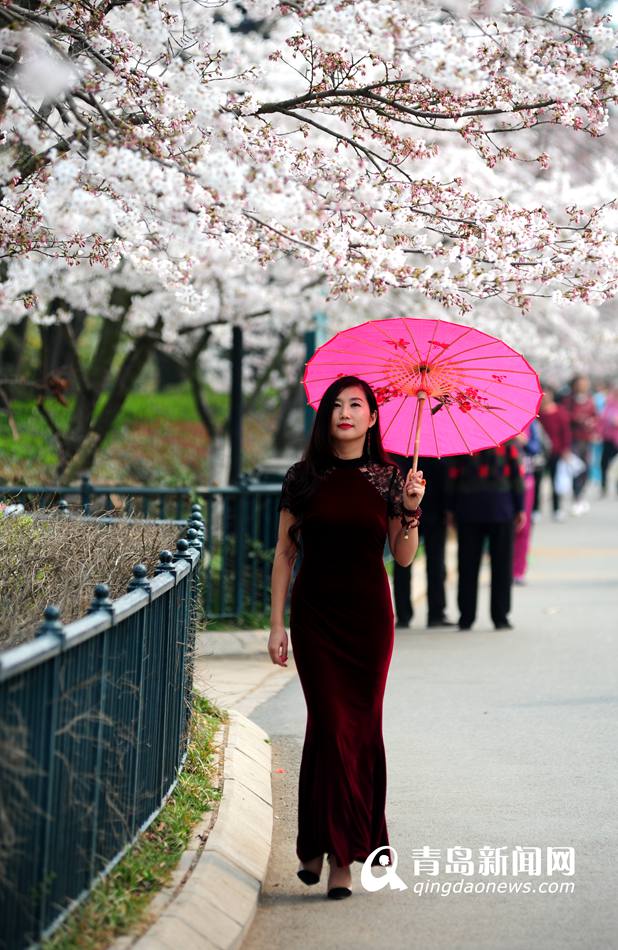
x=433, y=424
x=503, y=383
x=431, y=342
x=369, y=343
x=411, y=335
x=503, y=421
x=348, y=353
x=377, y=325
x=444, y=357
x=507, y=401
x=484, y=430
x=462, y=335
x=491, y=369
x=461, y=435
x=417, y=409
x=505, y=356
x=365, y=356
x=448, y=356
x=499, y=397
x=395, y=414
x=323, y=379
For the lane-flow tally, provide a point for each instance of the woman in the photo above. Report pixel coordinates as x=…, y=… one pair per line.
x=343, y=498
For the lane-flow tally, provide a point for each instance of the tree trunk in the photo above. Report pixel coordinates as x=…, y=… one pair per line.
x=201, y=405
x=170, y=371
x=274, y=363
x=287, y=436
x=96, y=379
x=219, y=461
x=131, y=368
x=55, y=351
x=12, y=348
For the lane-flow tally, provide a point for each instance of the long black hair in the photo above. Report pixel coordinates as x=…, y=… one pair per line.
x=318, y=455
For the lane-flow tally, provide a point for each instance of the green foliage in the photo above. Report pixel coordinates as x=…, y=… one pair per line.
x=248, y=620
x=35, y=441
x=162, y=432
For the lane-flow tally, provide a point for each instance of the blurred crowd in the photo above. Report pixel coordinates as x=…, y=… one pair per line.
x=493, y=497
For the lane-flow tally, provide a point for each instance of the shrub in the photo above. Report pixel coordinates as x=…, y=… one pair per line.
x=58, y=560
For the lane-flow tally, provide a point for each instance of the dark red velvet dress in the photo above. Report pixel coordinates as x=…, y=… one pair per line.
x=342, y=633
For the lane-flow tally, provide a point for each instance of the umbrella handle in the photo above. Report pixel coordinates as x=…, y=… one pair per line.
x=421, y=396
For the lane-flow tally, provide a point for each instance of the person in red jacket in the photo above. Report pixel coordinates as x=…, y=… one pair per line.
x=556, y=424
x=585, y=429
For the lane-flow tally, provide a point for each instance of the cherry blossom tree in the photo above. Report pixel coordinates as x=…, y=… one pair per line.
x=153, y=153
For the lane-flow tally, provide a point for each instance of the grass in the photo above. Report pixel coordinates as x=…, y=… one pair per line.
x=34, y=451
x=157, y=439
x=246, y=621
x=118, y=904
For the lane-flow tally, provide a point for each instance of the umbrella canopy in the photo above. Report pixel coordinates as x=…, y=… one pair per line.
x=450, y=388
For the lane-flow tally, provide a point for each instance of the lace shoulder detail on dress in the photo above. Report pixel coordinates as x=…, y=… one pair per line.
x=288, y=488
x=395, y=498
x=388, y=481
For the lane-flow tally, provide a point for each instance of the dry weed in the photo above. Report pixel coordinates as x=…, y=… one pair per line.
x=55, y=560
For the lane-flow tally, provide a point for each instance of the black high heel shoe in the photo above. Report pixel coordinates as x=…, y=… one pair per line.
x=307, y=876
x=338, y=893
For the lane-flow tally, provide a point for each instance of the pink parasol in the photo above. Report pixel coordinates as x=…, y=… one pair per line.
x=442, y=388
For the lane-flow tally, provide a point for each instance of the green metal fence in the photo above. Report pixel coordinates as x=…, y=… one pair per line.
x=241, y=534
x=123, y=500
x=94, y=722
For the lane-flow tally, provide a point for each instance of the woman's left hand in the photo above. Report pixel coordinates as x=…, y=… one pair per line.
x=413, y=490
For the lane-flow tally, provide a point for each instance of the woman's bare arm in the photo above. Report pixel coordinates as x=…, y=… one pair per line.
x=403, y=551
x=283, y=563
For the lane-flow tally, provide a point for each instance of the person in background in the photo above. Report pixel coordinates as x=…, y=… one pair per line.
x=531, y=446
x=433, y=532
x=599, y=397
x=585, y=430
x=609, y=433
x=536, y=465
x=485, y=496
x=557, y=425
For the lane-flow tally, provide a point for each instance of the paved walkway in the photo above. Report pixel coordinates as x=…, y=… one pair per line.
x=493, y=739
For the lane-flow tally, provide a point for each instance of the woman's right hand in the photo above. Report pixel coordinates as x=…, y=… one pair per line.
x=278, y=645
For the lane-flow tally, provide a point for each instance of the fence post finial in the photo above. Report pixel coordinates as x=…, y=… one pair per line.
x=182, y=546
x=166, y=564
x=197, y=526
x=101, y=600
x=194, y=539
x=52, y=622
x=140, y=572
